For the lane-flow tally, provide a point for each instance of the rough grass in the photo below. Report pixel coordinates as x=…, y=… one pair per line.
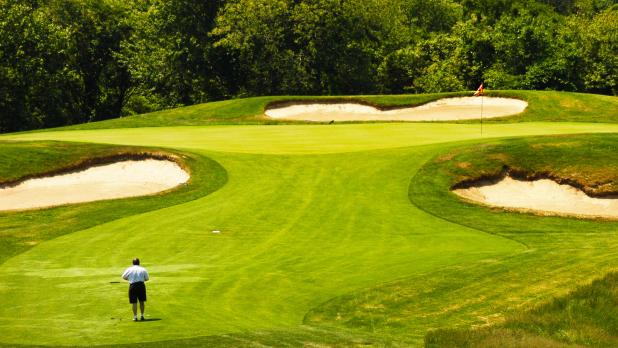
x=587, y=316
x=585, y=161
x=550, y=106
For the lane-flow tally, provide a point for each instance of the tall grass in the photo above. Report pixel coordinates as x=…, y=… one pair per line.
x=587, y=317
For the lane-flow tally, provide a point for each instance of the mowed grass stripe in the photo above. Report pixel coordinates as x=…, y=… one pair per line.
x=296, y=231
x=286, y=256
x=312, y=139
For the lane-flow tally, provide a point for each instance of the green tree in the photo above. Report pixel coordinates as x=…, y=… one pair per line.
x=97, y=29
x=600, y=44
x=258, y=35
x=36, y=79
x=171, y=56
x=522, y=40
x=432, y=16
x=345, y=42
x=441, y=66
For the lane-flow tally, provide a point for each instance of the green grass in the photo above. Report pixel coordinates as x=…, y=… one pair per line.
x=311, y=139
x=20, y=231
x=550, y=106
x=543, y=106
x=585, y=317
x=332, y=235
x=560, y=252
x=245, y=111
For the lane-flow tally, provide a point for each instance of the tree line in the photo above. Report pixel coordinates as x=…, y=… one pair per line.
x=72, y=61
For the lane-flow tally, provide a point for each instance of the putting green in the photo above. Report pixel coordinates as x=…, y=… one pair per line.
x=312, y=139
x=309, y=213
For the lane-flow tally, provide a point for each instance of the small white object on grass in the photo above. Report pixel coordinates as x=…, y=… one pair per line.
x=216, y=231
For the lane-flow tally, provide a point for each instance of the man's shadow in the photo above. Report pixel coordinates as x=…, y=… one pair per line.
x=145, y=320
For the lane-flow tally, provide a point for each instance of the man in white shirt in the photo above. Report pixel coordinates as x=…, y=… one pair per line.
x=136, y=275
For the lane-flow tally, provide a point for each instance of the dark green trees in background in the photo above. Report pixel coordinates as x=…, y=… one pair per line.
x=34, y=76
x=60, y=62
x=171, y=55
x=72, y=61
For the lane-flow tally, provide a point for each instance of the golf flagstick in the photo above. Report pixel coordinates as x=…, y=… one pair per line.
x=479, y=92
x=481, y=113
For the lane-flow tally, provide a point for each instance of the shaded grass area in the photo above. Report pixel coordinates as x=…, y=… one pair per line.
x=543, y=106
x=561, y=254
x=587, y=316
x=21, y=230
x=470, y=294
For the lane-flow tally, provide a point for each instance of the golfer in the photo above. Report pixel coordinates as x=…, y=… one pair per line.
x=136, y=275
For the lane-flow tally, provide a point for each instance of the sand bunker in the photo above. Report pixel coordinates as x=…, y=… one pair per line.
x=117, y=180
x=543, y=196
x=449, y=109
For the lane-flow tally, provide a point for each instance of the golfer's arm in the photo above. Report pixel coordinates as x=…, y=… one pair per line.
x=146, y=277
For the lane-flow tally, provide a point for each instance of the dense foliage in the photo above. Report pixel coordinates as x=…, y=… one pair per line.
x=73, y=61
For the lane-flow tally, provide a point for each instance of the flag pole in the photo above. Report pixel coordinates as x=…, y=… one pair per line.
x=479, y=93
x=481, y=113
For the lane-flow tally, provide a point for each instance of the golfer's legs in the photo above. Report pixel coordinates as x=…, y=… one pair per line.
x=134, y=306
x=141, y=307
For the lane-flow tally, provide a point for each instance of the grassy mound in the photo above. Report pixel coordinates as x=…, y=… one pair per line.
x=543, y=106
x=20, y=231
x=560, y=252
x=586, y=161
x=587, y=316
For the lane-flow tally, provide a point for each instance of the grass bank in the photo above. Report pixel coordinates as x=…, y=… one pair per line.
x=543, y=106
x=587, y=317
x=21, y=230
x=561, y=253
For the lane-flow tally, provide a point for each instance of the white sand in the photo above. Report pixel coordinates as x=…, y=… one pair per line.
x=543, y=196
x=116, y=180
x=449, y=109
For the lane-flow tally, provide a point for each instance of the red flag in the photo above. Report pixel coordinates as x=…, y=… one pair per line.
x=479, y=91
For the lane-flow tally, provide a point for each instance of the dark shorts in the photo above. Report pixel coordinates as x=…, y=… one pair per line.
x=137, y=291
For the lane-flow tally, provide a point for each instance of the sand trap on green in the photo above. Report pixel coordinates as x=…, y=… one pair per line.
x=449, y=109
x=116, y=180
x=543, y=196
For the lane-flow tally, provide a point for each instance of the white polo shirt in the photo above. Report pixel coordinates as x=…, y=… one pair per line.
x=135, y=274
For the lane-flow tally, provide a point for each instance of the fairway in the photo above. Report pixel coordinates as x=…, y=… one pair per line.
x=323, y=229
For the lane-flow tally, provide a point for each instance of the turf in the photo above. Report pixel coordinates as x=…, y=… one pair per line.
x=543, y=106
x=585, y=317
x=560, y=252
x=20, y=231
x=331, y=235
